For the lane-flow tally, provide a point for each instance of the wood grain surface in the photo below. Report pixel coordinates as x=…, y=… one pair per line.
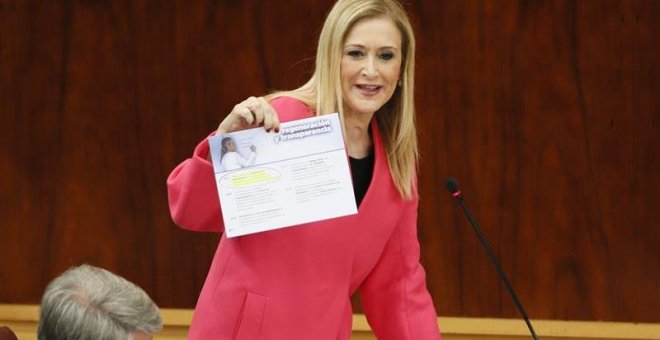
x=546, y=111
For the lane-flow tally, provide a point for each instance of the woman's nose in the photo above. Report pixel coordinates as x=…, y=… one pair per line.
x=369, y=67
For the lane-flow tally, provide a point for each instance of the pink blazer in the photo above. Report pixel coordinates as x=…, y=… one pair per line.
x=296, y=283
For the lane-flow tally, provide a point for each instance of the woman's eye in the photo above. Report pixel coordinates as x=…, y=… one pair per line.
x=387, y=55
x=355, y=53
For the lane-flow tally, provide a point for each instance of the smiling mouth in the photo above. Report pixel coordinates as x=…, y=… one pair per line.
x=369, y=89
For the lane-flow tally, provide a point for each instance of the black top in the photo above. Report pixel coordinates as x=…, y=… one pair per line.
x=361, y=171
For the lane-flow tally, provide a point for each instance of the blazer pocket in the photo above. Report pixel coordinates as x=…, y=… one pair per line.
x=251, y=317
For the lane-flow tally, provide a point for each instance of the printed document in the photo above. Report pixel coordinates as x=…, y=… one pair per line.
x=270, y=181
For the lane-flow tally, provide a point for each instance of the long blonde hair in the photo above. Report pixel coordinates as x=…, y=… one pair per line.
x=396, y=119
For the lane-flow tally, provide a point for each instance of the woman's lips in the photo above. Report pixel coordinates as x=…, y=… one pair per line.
x=369, y=90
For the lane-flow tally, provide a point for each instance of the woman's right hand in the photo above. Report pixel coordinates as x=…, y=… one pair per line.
x=250, y=113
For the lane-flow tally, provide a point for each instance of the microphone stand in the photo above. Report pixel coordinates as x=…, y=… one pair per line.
x=495, y=262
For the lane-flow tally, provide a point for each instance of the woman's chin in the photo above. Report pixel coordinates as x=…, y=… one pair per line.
x=366, y=107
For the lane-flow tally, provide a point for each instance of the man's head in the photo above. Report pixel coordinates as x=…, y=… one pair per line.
x=87, y=302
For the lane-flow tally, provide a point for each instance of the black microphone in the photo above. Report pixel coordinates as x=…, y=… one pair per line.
x=452, y=185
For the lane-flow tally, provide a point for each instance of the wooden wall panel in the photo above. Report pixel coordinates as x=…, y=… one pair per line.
x=545, y=111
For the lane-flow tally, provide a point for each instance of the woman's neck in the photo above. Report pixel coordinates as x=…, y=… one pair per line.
x=358, y=140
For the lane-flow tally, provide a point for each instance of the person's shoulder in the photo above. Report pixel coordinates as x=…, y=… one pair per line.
x=290, y=109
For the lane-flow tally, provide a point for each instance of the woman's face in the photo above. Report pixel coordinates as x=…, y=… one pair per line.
x=370, y=65
x=230, y=146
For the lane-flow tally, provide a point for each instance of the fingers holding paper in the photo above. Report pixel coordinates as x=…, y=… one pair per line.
x=250, y=113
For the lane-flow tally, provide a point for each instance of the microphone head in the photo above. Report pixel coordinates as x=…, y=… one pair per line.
x=452, y=185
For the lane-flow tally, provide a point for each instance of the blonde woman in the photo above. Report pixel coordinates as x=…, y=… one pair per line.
x=296, y=283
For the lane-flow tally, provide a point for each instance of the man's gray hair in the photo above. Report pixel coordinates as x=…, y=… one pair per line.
x=87, y=302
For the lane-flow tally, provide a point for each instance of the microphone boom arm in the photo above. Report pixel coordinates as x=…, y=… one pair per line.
x=498, y=266
x=452, y=186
